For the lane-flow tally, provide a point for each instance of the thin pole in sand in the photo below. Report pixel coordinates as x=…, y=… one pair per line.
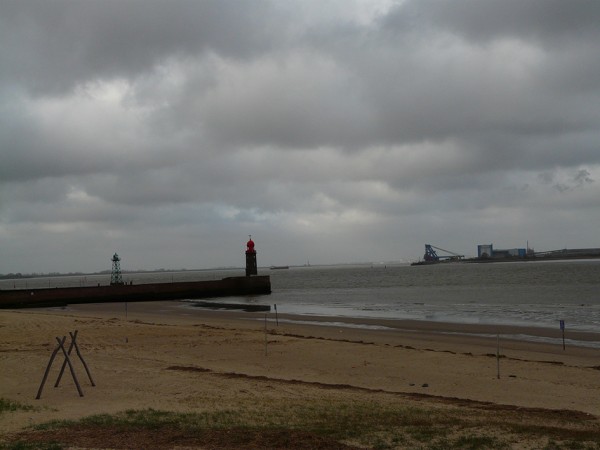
x=265, y=335
x=562, y=327
x=276, y=317
x=498, y=356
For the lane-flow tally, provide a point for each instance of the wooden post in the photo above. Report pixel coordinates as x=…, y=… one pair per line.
x=498, y=356
x=265, y=335
x=64, y=364
x=39, y=393
x=85, y=366
x=562, y=327
x=276, y=317
x=76, y=347
x=60, y=344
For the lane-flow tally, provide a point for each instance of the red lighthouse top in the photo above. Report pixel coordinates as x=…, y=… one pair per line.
x=250, y=245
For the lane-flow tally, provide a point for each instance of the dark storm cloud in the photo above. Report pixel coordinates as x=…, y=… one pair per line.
x=367, y=86
x=485, y=20
x=52, y=46
x=314, y=123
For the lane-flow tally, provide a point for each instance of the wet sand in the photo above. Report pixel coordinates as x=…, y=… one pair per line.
x=166, y=355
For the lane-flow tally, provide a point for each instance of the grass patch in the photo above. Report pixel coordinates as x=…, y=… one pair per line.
x=471, y=442
x=31, y=446
x=11, y=406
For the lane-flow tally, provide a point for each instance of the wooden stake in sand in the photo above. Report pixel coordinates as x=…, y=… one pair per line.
x=74, y=345
x=126, y=338
x=265, y=335
x=498, y=356
x=61, y=346
x=39, y=394
x=562, y=327
x=276, y=316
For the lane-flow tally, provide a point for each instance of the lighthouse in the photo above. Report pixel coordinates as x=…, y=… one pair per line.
x=250, y=258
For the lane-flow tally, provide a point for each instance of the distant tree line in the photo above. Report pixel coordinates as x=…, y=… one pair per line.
x=17, y=275
x=11, y=276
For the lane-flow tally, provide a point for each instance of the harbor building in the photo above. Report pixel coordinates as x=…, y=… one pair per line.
x=486, y=251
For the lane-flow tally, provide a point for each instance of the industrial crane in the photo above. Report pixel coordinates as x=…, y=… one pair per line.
x=431, y=254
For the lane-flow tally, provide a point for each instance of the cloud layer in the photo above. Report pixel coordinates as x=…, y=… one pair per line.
x=336, y=132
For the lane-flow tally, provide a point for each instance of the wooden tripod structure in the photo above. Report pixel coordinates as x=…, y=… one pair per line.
x=67, y=361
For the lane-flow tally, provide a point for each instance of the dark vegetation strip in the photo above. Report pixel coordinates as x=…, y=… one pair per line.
x=555, y=413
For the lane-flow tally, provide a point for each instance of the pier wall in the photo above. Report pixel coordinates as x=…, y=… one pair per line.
x=226, y=287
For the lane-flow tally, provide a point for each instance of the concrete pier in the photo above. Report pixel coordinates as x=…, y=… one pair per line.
x=226, y=287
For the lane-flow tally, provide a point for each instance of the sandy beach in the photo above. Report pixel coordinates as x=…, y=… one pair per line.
x=168, y=356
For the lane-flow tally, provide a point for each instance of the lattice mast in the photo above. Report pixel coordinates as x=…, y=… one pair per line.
x=115, y=275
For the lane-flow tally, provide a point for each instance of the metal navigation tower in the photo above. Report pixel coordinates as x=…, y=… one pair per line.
x=115, y=276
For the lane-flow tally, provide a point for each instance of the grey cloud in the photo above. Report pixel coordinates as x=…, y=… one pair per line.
x=582, y=177
x=575, y=181
x=485, y=20
x=314, y=125
x=53, y=46
x=522, y=85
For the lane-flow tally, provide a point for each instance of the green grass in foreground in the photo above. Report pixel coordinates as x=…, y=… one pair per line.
x=32, y=446
x=10, y=406
x=362, y=423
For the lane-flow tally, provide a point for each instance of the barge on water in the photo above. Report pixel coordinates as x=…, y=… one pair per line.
x=226, y=287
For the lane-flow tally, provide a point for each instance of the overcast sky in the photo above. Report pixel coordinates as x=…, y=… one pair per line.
x=331, y=131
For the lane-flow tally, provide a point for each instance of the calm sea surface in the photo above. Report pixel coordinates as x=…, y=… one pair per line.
x=531, y=294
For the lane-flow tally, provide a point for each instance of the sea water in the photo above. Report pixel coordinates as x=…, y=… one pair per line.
x=530, y=294
x=520, y=293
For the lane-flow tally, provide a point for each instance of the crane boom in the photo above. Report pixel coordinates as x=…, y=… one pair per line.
x=431, y=254
x=447, y=251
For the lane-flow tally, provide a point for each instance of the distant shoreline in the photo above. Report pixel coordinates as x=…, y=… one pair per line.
x=19, y=276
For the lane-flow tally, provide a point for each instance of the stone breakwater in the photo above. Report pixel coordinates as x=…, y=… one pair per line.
x=226, y=287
